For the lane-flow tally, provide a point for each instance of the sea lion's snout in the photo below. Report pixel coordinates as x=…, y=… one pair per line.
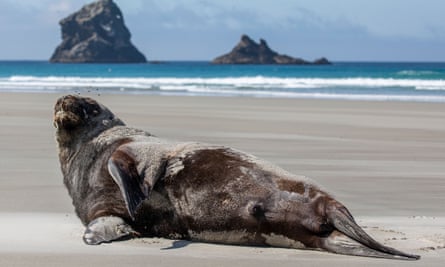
x=71, y=111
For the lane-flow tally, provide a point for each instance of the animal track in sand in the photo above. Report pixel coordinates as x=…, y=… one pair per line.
x=437, y=240
x=431, y=248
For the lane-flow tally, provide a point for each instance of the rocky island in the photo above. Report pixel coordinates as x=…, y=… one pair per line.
x=96, y=34
x=248, y=51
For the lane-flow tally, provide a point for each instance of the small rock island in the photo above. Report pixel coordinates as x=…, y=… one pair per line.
x=248, y=51
x=96, y=34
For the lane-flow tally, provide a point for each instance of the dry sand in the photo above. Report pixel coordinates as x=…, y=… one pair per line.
x=383, y=160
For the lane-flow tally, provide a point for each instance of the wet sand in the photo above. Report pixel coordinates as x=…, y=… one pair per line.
x=383, y=160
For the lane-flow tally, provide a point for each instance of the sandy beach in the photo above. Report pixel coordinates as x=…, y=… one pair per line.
x=383, y=160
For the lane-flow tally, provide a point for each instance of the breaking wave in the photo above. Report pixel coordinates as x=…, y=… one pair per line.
x=261, y=86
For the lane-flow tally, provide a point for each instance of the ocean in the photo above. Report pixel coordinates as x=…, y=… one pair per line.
x=343, y=80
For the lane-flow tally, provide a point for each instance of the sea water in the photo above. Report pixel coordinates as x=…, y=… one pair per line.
x=341, y=80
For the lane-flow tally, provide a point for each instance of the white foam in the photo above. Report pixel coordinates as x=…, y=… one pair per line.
x=417, y=73
x=252, y=86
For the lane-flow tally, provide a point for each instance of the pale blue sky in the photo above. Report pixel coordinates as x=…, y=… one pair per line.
x=341, y=30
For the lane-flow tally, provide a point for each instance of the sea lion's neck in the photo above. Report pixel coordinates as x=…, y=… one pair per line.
x=66, y=155
x=69, y=148
x=70, y=141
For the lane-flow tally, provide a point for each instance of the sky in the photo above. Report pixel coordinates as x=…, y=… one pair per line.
x=341, y=30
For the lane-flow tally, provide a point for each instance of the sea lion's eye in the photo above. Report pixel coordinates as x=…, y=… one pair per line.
x=95, y=112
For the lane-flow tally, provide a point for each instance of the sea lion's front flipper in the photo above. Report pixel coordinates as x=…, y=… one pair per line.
x=123, y=168
x=107, y=229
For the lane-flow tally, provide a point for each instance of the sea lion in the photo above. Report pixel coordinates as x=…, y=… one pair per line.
x=125, y=182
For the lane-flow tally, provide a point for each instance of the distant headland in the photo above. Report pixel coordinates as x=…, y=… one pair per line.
x=96, y=34
x=248, y=51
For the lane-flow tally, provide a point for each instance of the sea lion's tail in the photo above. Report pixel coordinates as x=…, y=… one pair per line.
x=351, y=239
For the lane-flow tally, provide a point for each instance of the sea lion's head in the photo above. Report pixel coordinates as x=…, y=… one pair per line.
x=80, y=119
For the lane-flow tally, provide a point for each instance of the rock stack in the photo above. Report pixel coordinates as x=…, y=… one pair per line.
x=248, y=51
x=96, y=34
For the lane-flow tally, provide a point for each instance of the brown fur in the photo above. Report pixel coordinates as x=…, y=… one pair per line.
x=291, y=186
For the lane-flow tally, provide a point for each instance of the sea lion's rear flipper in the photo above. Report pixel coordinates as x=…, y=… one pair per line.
x=350, y=239
x=123, y=168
